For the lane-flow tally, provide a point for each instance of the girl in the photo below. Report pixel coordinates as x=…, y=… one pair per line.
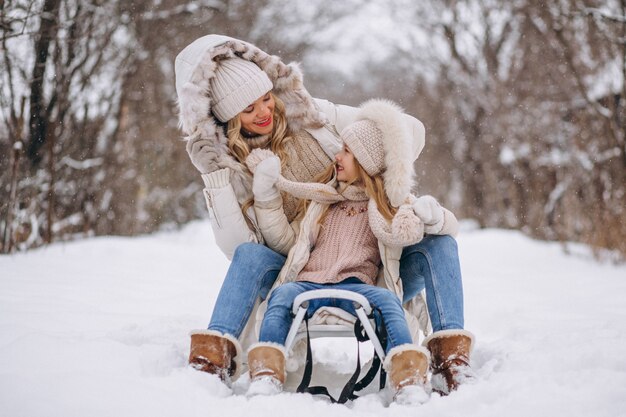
x=342, y=239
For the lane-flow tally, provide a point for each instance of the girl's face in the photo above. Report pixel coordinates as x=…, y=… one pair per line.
x=346, y=165
x=258, y=117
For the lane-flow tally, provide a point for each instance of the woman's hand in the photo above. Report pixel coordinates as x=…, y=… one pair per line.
x=266, y=169
x=202, y=154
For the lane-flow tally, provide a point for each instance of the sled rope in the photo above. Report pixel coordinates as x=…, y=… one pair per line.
x=348, y=391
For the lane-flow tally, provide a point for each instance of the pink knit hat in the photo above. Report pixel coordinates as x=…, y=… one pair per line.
x=365, y=140
x=381, y=141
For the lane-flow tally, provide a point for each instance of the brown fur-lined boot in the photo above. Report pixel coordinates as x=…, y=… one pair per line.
x=266, y=362
x=450, y=352
x=406, y=366
x=215, y=353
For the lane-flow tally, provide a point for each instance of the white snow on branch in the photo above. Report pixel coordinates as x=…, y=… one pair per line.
x=605, y=14
x=556, y=195
x=71, y=220
x=190, y=7
x=84, y=164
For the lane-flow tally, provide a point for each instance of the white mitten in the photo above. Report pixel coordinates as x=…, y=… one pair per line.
x=428, y=209
x=256, y=156
x=265, y=177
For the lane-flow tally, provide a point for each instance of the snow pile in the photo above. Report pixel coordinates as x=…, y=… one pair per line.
x=100, y=328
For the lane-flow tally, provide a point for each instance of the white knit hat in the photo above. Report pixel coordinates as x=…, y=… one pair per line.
x=236, y=85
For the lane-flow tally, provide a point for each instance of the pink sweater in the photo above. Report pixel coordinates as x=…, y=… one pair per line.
x=345, y=247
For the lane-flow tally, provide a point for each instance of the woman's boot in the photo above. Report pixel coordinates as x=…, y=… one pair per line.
x=215, y=353
x=450, y=353
x=266, y=362
x=406, y=366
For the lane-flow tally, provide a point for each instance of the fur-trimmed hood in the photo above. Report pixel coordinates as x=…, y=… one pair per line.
x=400, y=150
x=196, y=64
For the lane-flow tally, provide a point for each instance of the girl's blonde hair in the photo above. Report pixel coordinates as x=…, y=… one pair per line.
x=374, y=188
x=239, y=147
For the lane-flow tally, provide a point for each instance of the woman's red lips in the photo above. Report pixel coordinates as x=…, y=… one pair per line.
x=265, y=122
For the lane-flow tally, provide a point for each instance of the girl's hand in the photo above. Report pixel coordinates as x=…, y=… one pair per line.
x=429, y=210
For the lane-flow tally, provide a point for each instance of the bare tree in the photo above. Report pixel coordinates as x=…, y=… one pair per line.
x=523, y=103
x=533, y=113
x=56, y=65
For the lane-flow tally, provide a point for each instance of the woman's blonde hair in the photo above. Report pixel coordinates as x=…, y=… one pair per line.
x=239, y=146
x=240, y=149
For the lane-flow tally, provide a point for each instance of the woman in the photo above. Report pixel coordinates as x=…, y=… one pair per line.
x=220, y=81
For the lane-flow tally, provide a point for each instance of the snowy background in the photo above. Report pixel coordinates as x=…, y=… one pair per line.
x=524, y=108
x=523, y=103
x=99, y=327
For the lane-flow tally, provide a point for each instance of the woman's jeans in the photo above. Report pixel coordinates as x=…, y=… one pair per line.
x=278, y=318
x=432, y=263
x=251, y=274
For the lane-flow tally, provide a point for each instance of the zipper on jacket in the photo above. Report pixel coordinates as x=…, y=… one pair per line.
x=332, y=129
x=209, y=198
x=257, y=230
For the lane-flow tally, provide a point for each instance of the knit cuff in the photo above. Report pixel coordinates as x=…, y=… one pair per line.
x=217, y=179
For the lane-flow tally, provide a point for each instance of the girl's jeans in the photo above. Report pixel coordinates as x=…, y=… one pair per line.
x=432, y=263
x=278, y=318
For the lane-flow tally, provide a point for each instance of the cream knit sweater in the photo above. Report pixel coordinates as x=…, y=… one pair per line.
x=306, y=160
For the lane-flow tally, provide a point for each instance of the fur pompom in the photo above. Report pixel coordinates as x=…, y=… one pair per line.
x=406, y=226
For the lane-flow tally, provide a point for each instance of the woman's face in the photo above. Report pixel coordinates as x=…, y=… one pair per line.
x=346, y=165
x=258, y=117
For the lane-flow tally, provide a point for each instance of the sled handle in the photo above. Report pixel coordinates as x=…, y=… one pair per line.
x=357, y=298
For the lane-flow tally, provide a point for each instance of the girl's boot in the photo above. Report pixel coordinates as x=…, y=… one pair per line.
x=406, y=366
x=266, y=362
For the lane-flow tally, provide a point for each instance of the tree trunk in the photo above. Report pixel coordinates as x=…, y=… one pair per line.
x=38, y=121
x=7, y=240
x=50, y=138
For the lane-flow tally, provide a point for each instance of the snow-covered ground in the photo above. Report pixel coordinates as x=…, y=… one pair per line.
x=100, y=328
